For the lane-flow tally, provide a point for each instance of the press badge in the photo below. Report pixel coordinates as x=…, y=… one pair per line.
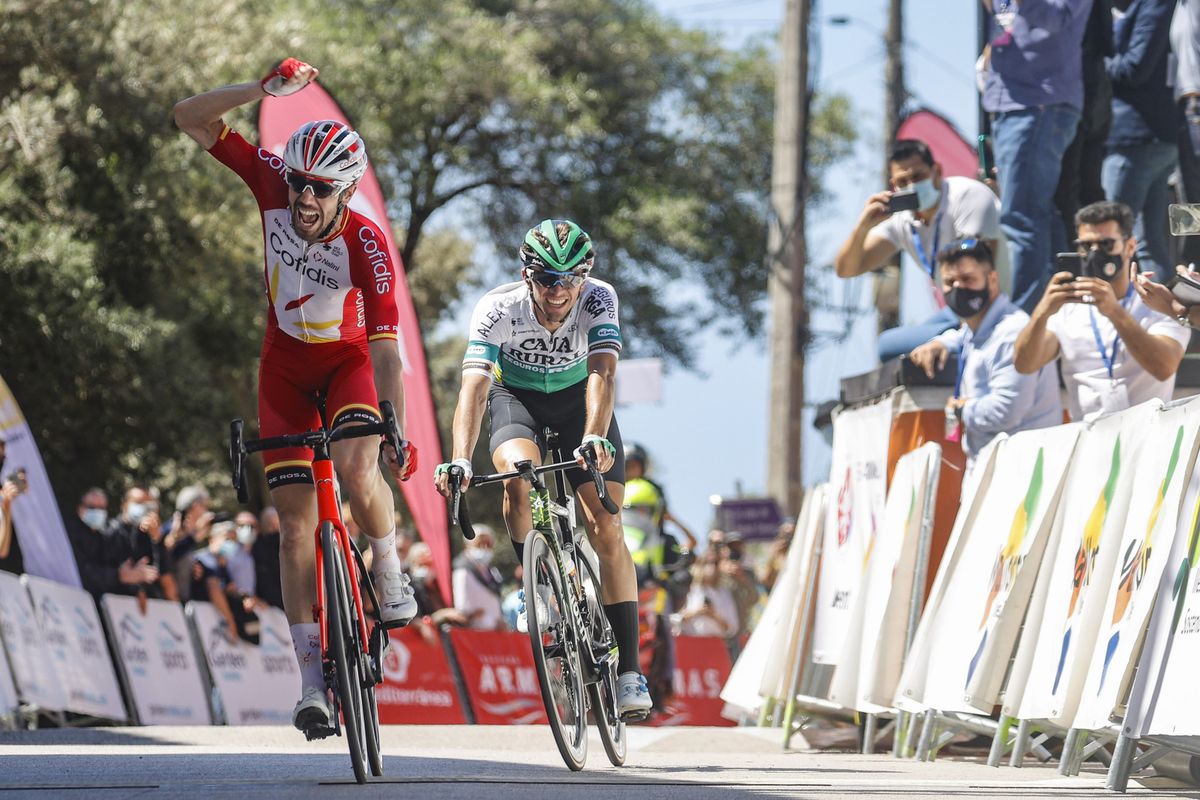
x=1115, y=398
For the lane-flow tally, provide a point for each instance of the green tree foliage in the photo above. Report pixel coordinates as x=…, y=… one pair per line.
x=130, y=291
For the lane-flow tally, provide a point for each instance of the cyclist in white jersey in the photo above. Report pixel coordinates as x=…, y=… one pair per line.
x=543, y=352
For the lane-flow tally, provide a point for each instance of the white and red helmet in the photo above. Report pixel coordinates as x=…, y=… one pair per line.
x=327, y=149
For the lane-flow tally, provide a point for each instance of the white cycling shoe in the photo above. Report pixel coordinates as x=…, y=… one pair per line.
x=397, y=603
x=633, y=697
x=543, y=609
x=314, y=713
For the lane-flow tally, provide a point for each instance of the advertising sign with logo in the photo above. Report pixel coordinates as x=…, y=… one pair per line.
x=418, y=686
x=256, y=685
x=500, y=677
x=857, y=490
x=701, y=669
x=156, y=656
x=72, y=632
x=753, y=517
x=33, y=668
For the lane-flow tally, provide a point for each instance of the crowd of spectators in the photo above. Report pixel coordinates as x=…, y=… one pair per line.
x=1062, y=252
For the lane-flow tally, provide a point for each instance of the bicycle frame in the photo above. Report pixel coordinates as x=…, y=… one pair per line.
x=330, y=510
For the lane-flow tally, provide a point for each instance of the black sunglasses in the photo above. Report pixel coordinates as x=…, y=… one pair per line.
x=319, y=188
x=549, y=280
x=1082, y=246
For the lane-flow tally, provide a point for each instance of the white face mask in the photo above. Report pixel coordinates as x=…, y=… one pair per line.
x=94, y=518
x=135, y=511
x=481, y=556
x=246, y=534
x=928, y=195
x=420, y=573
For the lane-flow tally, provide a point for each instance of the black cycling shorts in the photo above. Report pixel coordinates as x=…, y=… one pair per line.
x=522, y=413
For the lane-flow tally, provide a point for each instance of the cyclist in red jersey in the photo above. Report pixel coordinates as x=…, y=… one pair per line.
x=331, y=326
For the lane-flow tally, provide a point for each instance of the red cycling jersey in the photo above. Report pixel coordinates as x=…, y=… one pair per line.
x=326, y=301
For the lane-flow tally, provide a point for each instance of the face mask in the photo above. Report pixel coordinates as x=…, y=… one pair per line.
x=245, y=534
x=420, y=573
x=1105, y=266
x=229, y=548
x=966, y=302
x=136, y=511
x=927, y=194
x=481, y=557
x=94, y=518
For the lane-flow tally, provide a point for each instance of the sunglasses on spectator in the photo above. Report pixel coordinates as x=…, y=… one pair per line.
x=548, y=280
x=1082, y=246
x=318, y=187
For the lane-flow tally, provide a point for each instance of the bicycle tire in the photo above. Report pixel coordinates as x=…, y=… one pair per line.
x=339, y=619
x=602, y=693
x=560, y=676
x=370, y=707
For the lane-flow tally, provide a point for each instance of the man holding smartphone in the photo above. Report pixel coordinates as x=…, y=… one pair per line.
x=923, y=211
x=1117, y=351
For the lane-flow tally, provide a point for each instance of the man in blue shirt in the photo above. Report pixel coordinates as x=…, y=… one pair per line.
x=990, y=396
x=1034, y=88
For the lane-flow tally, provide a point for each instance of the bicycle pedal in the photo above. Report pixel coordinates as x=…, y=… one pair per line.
x=318, y=732
x=635, y=716
x=394, y=624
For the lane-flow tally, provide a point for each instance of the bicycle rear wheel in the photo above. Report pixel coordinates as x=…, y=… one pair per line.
x=346, y=679
x=602, y=694
x=555, y=650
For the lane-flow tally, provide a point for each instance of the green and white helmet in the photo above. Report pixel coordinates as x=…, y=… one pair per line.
x=557, y=245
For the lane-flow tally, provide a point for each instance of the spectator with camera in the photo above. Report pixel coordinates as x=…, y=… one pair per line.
x=922, y=211
x=990, y=395
x=189, y=532
x=1116, y=350
x=135, y=535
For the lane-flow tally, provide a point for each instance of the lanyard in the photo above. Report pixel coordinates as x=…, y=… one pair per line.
x=964, y=352
x=1109, y=361
x=927, y=261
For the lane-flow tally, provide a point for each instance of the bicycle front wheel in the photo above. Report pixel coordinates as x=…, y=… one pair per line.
x=346, y=676
x=602, y=694
x=368, y=679
x=555, y=650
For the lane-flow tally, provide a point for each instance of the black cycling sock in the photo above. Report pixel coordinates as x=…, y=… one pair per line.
x=624, y=620
x=519, y=549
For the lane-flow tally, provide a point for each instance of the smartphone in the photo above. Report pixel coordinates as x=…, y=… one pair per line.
x=1185, y=289
x=1184, y=218
x=902, y=201
x=987, y=166
x=18, y=477
x=1069, y=262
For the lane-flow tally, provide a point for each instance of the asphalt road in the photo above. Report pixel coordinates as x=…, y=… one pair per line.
x=497, y=763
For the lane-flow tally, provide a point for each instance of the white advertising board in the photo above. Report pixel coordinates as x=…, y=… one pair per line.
x=156, y=656
x=979, y=618
x=75, y=639
x=257, y=685
x=854, y=511
x=33, y=669
x=1094, y=506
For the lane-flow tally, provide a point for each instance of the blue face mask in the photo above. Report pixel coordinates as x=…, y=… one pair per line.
x=229, y=548
x=928, y=195
x=94, y=518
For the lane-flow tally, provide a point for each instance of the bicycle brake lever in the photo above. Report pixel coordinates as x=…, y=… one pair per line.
x=458, y=503
x=589, y=457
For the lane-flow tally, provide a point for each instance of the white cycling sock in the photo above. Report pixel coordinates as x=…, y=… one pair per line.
x=384, y=557
x=306, y=638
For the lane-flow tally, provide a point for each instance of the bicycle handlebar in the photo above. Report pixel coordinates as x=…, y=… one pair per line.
x=458, y=503
x=240, y=447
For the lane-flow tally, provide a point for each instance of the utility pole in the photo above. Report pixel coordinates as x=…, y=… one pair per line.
x=787, y=257
x=887, y=296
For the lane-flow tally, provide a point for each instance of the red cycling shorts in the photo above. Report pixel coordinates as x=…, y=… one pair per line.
x=290, y=375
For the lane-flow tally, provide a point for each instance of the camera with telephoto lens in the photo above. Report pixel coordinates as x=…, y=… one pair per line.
x=17, y=477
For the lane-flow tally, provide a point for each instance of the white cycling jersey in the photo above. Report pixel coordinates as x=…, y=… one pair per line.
x=508, y=342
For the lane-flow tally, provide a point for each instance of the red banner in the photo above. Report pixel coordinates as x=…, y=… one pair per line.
x=501, y=680
x=278, y=118
x=701, y=669
x=418, y=686
x=956, y=155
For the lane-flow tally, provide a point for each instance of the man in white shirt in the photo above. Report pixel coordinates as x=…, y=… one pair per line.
x=1116, y=351
x=477, y=584
x=948, y=208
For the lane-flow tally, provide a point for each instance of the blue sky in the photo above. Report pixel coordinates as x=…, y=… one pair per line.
x=709, y=434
